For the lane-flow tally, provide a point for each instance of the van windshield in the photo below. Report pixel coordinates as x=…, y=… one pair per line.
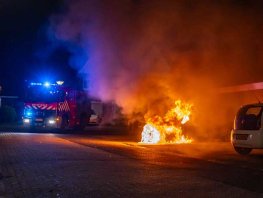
x=248, y=118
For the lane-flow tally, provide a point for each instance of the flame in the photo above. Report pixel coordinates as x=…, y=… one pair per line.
x=167, y=129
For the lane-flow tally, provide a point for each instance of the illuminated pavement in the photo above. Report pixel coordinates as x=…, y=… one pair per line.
x=46, y=165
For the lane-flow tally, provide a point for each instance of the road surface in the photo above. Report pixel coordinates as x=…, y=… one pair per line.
x=66, y=165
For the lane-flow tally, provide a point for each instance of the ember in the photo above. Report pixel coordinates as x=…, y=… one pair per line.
x=167, y=129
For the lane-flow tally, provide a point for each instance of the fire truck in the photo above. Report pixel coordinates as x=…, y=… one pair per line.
x=53, y=105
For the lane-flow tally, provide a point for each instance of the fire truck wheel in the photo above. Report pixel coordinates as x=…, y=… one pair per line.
x=64, y=122
x=83, y=121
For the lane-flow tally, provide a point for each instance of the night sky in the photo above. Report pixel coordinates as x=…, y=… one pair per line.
x=214, y=42
x=25, y=45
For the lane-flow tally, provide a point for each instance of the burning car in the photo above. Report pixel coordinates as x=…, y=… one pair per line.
x=167, y=128
x=248, y=131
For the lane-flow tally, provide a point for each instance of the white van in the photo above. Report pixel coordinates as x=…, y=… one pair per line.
x=248, y=129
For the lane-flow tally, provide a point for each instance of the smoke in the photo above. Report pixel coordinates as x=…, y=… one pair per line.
x=143, y=54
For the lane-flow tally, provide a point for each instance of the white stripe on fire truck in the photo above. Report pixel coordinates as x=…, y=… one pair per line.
x=61, y=106
x=67, y=106
x=64, y=106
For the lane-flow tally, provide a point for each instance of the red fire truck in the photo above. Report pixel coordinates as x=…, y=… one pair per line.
x=58, y=106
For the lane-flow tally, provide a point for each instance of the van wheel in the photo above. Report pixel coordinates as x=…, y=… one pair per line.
x=243, y=151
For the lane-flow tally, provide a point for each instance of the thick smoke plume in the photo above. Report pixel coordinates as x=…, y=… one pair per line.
x=144, y=54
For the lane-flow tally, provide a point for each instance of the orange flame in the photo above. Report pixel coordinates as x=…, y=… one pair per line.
x=167, y=129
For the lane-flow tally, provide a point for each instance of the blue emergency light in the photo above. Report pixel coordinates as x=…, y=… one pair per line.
x=47, y=84
x=35, y=84
x=28, y=113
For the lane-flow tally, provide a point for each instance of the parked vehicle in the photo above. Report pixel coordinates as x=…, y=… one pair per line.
x=248, y=129
x=58, y=106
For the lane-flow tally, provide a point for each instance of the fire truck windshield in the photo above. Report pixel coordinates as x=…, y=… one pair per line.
x=43, y=94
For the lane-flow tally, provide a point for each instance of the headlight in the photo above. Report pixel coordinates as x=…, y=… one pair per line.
x=26, y=120
x=51, y=121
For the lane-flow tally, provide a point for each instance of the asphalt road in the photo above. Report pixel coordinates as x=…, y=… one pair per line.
x=84, y=165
